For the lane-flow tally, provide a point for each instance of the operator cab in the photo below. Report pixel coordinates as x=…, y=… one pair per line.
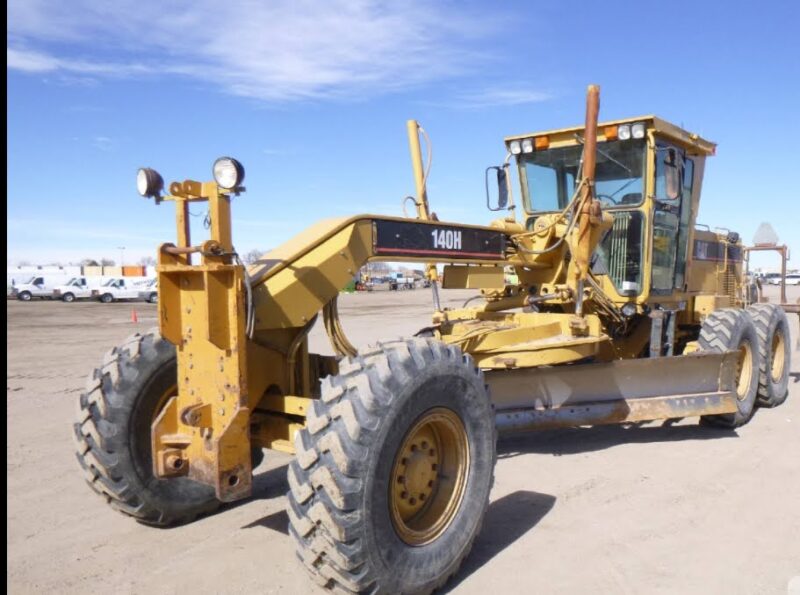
x=648, y=177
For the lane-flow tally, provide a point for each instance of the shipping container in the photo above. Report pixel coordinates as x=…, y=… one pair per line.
x=133, y=271
x=113, y=271
x=93, y=271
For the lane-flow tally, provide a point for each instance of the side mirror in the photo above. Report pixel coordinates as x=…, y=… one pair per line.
x=502, y=188
x=673, y=174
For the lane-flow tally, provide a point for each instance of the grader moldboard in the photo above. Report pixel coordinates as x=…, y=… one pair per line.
x=623, y=312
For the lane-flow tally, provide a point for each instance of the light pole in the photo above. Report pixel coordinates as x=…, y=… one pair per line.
x=121, y=255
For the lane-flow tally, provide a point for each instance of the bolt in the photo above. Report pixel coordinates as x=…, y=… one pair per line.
x=424, y=445
x=413, y=501
x=174, y=462
x=422, y=497
x=221, y=411
x=404, y=461
x=430, y=483
x=432, y=452
x=434, y=467
x=403, y=495
x=400, y=479
x=413, y=448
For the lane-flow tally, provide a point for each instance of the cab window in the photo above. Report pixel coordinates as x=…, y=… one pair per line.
x=671, y=213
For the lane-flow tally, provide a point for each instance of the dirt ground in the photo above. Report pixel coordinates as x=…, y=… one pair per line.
x=662, y=508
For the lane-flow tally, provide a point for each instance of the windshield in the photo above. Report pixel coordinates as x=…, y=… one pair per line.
x=110, y=282
x=549, y=176
x=30, y=281
x=74, y=281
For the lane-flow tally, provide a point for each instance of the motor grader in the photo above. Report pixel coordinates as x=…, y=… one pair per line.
x=623, y=310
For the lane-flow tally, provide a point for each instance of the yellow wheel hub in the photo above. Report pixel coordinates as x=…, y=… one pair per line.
x=429, y=476
x=778, y=355
x=744, y=370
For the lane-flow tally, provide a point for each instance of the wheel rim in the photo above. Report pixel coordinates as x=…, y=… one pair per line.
x=744, y=371
x=429, y=477
x=778, y=355
x=162, y=400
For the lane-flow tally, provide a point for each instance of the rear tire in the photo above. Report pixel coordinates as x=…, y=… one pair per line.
x=775, y=352
x=355, y=526
x=153, y=298
x=112, y=432
x=732, y=329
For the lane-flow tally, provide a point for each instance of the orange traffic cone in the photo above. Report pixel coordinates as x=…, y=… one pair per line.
x=134, y=318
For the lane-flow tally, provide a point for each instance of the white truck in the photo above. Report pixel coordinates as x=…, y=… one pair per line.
x=37, y=286
x=400, y=281
x=77, y=288
x=149, y=291
x=118, y=288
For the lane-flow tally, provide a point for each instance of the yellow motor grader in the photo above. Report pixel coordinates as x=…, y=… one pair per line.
x=622, y=310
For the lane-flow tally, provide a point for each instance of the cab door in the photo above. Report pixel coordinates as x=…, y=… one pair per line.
x=39, y=287
x=671, y=218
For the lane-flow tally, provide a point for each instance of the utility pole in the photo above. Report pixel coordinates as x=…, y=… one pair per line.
x=121, y=255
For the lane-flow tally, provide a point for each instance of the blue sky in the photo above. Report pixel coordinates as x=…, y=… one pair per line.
x=313, y=97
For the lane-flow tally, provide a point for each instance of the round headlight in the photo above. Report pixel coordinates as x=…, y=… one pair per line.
x=637, y=130
x=624, y=132
x=514, y=147
x=149, y=182
x=628, y=309
x=527, y=145
x=228, y=173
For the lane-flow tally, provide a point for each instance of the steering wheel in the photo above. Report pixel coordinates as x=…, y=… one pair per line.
x=608, y=197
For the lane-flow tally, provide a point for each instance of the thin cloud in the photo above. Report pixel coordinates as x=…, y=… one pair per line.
x=21, y=228
x=274, y=51
x=499, y=96
x=103, y=143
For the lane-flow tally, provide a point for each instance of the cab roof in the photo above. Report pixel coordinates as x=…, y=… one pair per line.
x=691, y=141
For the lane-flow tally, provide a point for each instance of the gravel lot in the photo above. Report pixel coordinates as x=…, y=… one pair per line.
x=658, y=508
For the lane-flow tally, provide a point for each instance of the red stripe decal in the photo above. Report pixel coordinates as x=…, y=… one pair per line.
x=444, y=252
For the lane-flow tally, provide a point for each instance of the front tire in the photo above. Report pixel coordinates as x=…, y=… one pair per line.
x=25, y=296
x=106, y=298
x=731, y=329
x=393, y=470
x=112, y=432
x=775, y=353
x=68, y=297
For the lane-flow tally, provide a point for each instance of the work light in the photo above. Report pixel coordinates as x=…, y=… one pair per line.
x=514, y=147
x=149, y=182
x=527, y=145
x=637, y=130
x=228, y=173
x=624, y=132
